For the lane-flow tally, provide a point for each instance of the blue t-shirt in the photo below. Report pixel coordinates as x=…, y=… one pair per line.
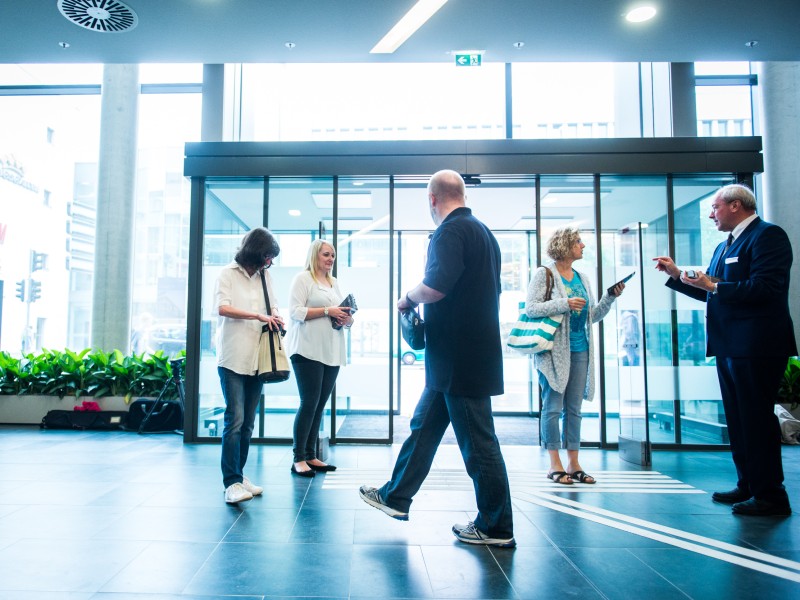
x=578, y=341
x=463, y=353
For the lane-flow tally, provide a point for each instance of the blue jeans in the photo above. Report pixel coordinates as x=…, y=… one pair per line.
x=315, y=382
x=474, y=428
x=242, y=394
x=566, y=406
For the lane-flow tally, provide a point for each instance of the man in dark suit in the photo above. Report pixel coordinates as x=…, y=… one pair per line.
x=750, y=332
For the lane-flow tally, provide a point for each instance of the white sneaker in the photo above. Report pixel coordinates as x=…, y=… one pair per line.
x=251, y=487
x=237, y=493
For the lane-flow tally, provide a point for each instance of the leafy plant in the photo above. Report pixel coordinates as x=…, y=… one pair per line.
x=789, y=391
x=89, y=372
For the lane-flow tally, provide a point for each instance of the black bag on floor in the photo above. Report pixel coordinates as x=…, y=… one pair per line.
x=167, y=416
x=104, y=420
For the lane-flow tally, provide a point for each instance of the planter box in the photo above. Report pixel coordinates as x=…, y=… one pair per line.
x=29, y=410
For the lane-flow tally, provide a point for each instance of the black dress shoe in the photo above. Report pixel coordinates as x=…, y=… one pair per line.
x=302, y=473
x=733, y=496
x=322, y=468
x=762, y=508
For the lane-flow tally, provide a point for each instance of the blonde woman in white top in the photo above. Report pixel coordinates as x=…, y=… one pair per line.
x=316, y=349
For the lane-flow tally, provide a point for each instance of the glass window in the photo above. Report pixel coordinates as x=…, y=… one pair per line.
x=550, y=100
x=724, y=111
x=284, y=102
x=45, y=140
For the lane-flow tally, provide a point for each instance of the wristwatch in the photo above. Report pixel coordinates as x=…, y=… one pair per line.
x=326, y=311
x=714, y=291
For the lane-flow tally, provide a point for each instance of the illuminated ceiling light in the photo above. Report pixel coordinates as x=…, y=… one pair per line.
x=405, y=27
x=294, y=212
x=641, y=14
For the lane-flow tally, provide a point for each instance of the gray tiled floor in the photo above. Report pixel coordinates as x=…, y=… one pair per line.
x=119, y=516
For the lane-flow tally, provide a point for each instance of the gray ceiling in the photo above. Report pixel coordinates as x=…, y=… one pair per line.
x=230, y=31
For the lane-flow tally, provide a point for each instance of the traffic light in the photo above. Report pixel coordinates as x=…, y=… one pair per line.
x=38, y=261
x=35, y=290
x=21, y=290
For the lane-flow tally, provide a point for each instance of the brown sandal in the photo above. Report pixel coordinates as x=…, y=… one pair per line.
x=559, y=476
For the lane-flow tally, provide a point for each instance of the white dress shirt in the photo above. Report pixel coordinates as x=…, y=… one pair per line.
x=237, y=339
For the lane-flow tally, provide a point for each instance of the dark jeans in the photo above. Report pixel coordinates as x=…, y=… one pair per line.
x=315, y=382
x=242, y=394
x=474, y=428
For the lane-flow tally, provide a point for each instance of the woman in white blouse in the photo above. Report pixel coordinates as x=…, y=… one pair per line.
x=316, y=349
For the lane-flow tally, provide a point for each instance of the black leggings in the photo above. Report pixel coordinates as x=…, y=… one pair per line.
x=315, y=382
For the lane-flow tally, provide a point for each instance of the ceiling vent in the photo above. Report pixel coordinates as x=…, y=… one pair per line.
x=109, y=16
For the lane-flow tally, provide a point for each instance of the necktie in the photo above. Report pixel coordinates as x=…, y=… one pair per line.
x=728, y=244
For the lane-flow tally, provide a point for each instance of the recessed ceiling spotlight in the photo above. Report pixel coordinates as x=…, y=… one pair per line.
x=294, y=212
x=64, y=45
x=640, y=14
x=518, y=45
x=751, y=43
x=290, y=45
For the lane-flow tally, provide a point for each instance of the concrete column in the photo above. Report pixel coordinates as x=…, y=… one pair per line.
x=683, y=100
x=780, y=110
x=213, y=100
x=116, y=180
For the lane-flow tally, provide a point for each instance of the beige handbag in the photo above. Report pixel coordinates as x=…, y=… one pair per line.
x=273, y=364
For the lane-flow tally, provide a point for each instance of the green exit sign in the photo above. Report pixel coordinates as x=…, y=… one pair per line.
x=468, y=60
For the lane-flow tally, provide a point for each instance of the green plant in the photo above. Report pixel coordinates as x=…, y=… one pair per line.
x=789, y=391
x=89, y=372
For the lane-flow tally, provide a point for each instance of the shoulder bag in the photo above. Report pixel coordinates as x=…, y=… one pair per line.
x=531, y=335
x=273, y=364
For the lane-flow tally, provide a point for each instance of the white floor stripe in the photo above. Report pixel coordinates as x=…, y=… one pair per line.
x=639, y=482
x=758, y=561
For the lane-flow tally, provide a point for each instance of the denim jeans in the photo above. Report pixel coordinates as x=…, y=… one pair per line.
x=315, y=383
x=566, y=406
x=242, y=394
x=474, y=428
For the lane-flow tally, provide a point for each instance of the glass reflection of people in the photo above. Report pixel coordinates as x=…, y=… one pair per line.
x=566, y=373
x=316, y=349
x=242, y=313
x=630, y=338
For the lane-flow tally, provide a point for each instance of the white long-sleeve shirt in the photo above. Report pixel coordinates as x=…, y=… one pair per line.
x=314, y=339
x=237, y=339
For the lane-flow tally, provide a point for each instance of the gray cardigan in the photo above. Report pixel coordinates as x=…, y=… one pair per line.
x=554, y=365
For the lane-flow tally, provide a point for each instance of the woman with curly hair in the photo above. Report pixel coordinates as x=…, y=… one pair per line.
x=566, y=373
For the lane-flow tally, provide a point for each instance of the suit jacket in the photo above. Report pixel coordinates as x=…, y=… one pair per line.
x=749, y=314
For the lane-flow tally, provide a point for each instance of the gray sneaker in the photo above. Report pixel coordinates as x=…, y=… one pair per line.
x=469, y=534
x=371, y=496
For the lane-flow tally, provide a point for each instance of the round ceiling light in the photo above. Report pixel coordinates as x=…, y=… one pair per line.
x=110, y=16
x=641, y=14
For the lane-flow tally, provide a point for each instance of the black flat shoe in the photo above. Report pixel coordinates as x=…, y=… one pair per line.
x=733, y=496
x=322, y=468
x=302, y=473
x=762, y=508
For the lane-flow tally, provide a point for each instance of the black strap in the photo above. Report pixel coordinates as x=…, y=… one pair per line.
x=266, y=296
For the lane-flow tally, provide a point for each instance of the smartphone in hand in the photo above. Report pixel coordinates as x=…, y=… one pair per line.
x=623, y=280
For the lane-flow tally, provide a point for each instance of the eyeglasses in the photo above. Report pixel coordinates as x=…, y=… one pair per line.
x=268, y=262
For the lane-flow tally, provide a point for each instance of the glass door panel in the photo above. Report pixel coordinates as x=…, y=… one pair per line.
x=570, y=200
x=298, y=209
x=701, y=417
x=637, y=340
x=364, y=268
x=232, y=207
